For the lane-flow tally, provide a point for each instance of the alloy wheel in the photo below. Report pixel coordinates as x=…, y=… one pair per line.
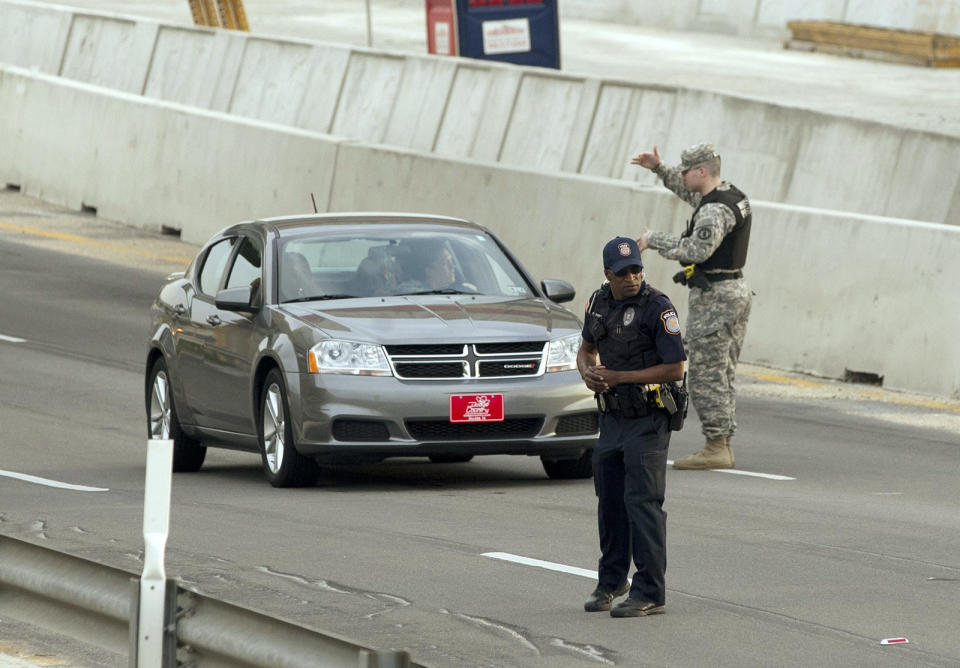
x=274, y=428
x=160, y=407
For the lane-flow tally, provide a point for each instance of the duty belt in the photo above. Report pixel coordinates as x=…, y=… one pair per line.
x=608, y=402
x=723, y=276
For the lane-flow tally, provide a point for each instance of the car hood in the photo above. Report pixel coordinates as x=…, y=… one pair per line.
x=454, y=319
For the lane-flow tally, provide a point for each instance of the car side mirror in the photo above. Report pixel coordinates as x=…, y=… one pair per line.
x=557, y=291
x=237, y=299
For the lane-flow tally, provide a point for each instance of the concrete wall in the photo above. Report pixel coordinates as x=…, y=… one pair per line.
x=519, y=117
x=835, y=291
x=769, y=17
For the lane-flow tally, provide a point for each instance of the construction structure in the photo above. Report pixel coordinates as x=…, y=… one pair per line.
x=228, y=14
x=913, y=47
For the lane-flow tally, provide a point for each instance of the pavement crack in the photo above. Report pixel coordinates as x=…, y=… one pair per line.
x=592, y=652
x=389, y=601
x=40, y=527
x=516, y=633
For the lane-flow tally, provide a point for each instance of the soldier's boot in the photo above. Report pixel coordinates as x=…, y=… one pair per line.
x=730, y=450
x=716, y=454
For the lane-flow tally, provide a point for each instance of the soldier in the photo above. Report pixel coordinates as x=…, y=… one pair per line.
x=634, y=330
x=713, y=249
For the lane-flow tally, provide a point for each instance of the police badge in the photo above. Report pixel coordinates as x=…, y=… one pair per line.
x=628, y=315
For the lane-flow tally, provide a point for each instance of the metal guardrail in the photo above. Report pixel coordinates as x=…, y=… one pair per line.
x=99, y=605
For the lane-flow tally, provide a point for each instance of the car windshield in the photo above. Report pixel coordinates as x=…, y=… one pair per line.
x=394, y=262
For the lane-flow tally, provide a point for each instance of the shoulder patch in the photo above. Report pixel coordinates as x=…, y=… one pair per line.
x=671, y=323
x=704, y=233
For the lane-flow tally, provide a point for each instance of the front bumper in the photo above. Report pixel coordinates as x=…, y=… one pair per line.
x=367, y=418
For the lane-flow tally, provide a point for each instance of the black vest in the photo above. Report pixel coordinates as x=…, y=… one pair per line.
x=732, y=252
x=617, y=331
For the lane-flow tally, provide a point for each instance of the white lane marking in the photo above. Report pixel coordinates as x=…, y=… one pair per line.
x=549, y=565
x=11, y=339
x=51, y=483
x=768, y=476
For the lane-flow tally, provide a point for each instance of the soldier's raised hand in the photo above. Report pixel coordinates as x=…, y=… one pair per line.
x=648, y=160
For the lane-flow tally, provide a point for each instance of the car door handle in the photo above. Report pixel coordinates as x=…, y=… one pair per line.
x=180, y=309
x=213, y=320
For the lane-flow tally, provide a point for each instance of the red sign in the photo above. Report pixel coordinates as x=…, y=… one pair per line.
x=476, y=408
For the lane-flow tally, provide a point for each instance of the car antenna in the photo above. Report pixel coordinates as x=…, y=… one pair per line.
x=314, y=203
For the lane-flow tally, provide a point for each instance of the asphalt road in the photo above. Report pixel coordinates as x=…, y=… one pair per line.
x=848, y=535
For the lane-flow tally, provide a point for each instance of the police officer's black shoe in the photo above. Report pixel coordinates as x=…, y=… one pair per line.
x=636, y=607
x=601, y=599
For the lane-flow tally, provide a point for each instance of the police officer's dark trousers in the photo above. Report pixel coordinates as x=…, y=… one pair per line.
x=629, y=469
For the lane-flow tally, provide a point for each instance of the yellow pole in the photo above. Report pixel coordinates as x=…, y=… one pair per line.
x=204, y=13
x=232, y=15
x=241, y=15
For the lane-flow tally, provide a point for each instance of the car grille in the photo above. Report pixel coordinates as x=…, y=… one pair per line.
x=442, y=430
x=585, y=423
x=360, y=430
x=479, y=360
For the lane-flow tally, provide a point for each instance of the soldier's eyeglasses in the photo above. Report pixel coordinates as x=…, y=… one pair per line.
x=632, y=269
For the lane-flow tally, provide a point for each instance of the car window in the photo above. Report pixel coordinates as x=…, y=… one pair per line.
x=246, y=266
x=214, y=265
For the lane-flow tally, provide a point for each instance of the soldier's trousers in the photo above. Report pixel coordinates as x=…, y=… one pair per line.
x=629, y=475
x=713, y=361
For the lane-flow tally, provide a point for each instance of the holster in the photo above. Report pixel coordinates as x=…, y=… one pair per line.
x=681, y=399
x=692, y=278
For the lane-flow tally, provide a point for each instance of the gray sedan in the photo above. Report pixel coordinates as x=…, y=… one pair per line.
x=352, y=338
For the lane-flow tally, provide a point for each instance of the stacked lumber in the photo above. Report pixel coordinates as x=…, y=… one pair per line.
x=906, y=46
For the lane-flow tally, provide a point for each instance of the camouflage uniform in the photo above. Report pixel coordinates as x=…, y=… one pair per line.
x=717, y=319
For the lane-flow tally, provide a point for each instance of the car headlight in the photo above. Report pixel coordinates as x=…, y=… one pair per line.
x=563, y=353
x=358, y=359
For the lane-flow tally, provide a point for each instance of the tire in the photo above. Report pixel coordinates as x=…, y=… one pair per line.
x=450, y=459
x=162, y=421
x=569, y=469
x=282, y=464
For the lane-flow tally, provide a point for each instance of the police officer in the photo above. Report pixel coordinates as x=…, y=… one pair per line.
x=713, y=249
x=631, y=338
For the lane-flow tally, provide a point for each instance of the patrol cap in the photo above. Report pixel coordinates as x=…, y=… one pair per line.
x=697, y=155
x=621, y=252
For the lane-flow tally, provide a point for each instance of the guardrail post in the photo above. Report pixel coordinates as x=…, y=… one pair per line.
x=155, y=623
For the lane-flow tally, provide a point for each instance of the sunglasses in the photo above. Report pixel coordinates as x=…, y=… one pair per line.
x=632, y=269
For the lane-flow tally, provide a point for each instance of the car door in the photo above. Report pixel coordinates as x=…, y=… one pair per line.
x=233, y=346
x=195, y=330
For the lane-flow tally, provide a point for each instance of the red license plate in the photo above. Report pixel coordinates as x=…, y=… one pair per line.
x=476, y=408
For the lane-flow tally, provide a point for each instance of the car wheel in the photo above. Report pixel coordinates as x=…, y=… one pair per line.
x=569, y=469
x=282, y=464
x=162, y=422
x=450, y=459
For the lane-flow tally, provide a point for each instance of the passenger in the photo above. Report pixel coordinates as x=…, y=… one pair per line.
x=440, y=272
x=377, y=273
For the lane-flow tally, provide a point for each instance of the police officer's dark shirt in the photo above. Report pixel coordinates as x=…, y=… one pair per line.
x=649, y=317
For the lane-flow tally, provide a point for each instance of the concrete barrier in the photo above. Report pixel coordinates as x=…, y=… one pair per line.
x=154, y=164
x=521, y=117
x=33, y=36
x=835, y=291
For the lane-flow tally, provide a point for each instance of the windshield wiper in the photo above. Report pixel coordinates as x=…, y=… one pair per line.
x=317, y=298
x=439, y=291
